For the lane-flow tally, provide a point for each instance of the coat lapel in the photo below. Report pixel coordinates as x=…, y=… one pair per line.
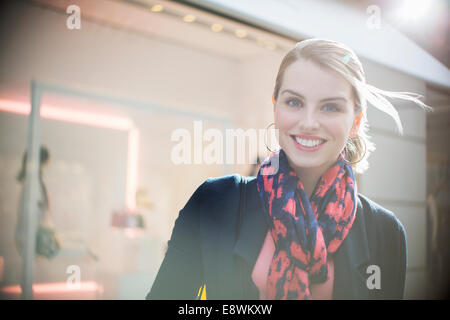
x=224, y=274
x=249, y=240
x=351, y=261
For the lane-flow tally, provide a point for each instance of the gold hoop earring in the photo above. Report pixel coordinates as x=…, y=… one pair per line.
x=364, y=154
x=265, y=137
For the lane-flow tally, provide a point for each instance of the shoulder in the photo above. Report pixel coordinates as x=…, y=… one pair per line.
x=223, y=183
x=215, y=188
x=209, y=202
x=216, y=191
x=380, y=219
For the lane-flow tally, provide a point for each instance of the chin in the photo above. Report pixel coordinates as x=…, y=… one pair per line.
x=308, y=163
x=300, y=161
x=297, y=160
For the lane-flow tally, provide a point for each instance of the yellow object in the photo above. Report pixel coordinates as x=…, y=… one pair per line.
x=201, y=295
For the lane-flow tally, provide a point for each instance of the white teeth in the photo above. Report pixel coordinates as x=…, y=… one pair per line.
x=308, y=143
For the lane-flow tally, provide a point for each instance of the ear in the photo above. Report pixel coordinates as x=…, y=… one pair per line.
x=356, y=124
x=274, y=107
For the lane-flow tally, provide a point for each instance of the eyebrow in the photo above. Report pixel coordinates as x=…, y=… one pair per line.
x=326, y=99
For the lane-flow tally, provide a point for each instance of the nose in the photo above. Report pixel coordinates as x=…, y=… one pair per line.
x=308, y=120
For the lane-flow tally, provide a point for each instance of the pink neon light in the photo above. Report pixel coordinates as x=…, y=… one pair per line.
x=58, y=290
x=92, y=119
x=14, y=107
x=96, y=120
x=80, y=117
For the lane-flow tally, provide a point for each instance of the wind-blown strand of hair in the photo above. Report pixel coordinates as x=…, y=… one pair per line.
x=377, y=98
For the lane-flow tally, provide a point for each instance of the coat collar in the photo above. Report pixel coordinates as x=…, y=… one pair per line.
x=352, y=255
x=253, y=226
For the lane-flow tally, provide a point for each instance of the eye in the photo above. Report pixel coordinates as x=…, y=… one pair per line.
x=293, y=102
x=331, y=107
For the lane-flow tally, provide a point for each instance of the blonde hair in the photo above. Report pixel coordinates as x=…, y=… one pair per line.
x=339, y=57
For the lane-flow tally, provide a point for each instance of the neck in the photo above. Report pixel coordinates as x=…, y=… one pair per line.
x=309, y=178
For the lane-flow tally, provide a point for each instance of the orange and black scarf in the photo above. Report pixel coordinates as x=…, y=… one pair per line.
x=304, y=230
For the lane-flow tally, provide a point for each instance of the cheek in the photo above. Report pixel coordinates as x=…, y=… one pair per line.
x=338, y=128
x=284, y=120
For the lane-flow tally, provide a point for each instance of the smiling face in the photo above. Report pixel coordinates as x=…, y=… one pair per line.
x=314, y=113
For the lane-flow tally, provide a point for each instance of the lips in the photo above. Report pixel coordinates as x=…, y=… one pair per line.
x=308, y=143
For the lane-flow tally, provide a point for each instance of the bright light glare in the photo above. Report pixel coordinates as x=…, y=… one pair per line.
x=414, y=9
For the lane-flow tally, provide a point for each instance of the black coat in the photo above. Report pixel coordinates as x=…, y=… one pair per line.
x=212, y=245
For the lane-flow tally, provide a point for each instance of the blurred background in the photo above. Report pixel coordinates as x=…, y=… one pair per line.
x=113, y=79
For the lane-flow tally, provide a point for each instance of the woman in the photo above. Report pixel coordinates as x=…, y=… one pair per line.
x=303, y=231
